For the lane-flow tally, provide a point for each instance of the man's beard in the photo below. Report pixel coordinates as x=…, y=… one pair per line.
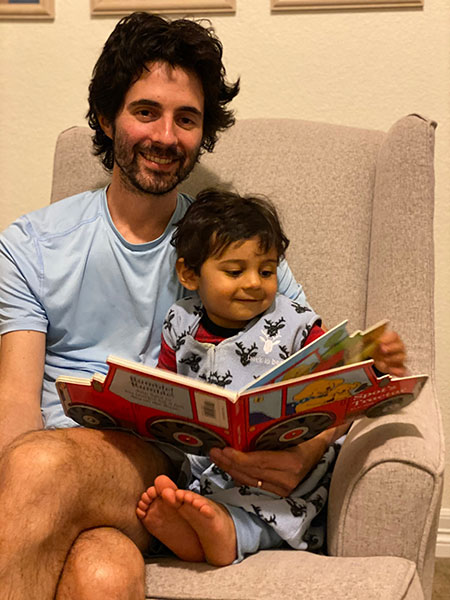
x=136, y=176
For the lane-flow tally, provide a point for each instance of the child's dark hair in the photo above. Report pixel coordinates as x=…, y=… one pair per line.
x=217, y=219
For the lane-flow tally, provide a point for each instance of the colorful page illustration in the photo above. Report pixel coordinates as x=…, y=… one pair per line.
x=305, y=360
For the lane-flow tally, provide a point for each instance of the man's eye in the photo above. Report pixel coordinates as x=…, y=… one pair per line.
x=144, y=114
x=187, y=122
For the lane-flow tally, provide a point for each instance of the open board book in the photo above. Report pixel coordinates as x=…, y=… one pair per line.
x=329, y=382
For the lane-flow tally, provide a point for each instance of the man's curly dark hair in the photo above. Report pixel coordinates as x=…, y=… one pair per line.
x=142, y=38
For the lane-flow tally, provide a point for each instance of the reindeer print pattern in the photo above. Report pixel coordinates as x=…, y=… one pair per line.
x=297, y=509
x=245, y=354
x=299, y=308
x=305, y=333
x=193, y=361
x=296, y=519
x=218, y=379
x=233, y=362
x=205, y=487
x=181, y=340
x=218, y=471
x=198, y=310
x=273, y=327
x=167, y=324
x=284, y=353
x=259, y=513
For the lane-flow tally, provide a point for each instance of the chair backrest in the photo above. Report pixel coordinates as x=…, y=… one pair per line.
x=357, y=206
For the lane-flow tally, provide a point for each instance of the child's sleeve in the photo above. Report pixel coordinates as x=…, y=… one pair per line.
x=167, y=356
x=167, y=359
x=176, y=324
x=315, y=332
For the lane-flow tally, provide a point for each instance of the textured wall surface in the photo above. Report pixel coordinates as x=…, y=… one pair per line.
x=360, y=68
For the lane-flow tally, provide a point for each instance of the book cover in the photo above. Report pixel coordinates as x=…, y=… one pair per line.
x=325, y=384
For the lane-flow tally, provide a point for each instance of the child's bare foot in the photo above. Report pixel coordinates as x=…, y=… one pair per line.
x=163, y=520
x=213, y=525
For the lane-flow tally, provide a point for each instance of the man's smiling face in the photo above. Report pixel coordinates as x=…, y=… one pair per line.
x=158, y=132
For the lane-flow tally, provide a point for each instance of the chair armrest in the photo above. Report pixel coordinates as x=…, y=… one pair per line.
x=401, y=271
x=387, y=485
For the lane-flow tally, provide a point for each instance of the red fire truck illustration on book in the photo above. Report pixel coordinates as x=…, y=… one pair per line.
x=320, y=386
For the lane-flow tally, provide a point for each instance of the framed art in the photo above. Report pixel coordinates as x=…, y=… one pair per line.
x=279, y=5
x=123, y=7
x=27, y=9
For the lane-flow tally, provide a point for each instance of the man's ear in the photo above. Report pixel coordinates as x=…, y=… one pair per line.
x=106, y=126
x=186, y=276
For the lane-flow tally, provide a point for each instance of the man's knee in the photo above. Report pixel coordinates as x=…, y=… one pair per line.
x=112, y=578
x=103, y=563
x=70, y=450
x=37, y=459
x=124, y=572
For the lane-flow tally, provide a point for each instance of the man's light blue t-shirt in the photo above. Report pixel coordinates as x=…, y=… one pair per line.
x=66, y=271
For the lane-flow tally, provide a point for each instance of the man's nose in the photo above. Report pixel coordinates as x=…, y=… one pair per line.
x=164, y=131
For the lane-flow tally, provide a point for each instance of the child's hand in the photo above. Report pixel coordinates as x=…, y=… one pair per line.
x=390, y=354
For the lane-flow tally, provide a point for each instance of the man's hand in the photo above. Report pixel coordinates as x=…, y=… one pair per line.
x=390, y=354
x=279, y=471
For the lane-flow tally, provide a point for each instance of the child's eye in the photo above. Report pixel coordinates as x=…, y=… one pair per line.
x=267, y=273
x=233, y=273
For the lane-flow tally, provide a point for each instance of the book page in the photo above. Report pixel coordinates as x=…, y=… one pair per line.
x=149, y=392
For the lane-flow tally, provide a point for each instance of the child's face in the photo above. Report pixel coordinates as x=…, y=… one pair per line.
x=239, y=284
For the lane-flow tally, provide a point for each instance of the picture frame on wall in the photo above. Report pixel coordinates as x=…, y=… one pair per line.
x=27, y=9
x=282, y=5
x=124, y=7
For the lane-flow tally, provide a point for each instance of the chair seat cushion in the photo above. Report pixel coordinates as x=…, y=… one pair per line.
x=285, y=574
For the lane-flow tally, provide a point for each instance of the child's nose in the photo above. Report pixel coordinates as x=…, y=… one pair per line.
x=253, y=280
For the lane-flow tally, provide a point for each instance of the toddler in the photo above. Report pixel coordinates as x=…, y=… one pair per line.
x=230, y=330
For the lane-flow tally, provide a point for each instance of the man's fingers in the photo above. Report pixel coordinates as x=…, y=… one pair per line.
x=277, y=470
x=275, y=482
x=257, y=462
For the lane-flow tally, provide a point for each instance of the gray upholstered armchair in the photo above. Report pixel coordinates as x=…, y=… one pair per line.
x=358, y=207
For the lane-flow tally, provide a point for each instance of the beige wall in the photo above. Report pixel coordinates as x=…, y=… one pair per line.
x=361, y=68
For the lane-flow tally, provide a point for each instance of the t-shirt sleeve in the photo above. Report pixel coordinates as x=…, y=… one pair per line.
x=288, y=286
x=21, y=280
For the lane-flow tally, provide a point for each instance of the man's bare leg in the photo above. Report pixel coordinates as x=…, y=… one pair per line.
x=166, y=524
x=57, y=484
x=209, y=520
x=103, y=563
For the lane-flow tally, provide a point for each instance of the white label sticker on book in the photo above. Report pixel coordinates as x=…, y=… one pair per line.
x=156, y=394
x=211, y=410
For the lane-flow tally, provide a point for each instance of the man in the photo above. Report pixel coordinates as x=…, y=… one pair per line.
x=93, y=275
